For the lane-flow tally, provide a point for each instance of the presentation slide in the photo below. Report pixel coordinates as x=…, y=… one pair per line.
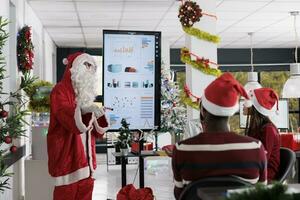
x=281, y=120
x=129, y=78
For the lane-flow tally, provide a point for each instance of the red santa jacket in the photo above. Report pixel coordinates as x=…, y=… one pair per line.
x=71, y=136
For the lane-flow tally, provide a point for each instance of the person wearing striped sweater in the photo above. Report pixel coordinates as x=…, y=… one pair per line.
x=218, y=151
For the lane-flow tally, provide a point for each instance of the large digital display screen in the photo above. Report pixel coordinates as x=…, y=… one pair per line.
x=131, y=78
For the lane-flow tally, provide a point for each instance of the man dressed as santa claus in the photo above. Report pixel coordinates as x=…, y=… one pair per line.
x=75, y=122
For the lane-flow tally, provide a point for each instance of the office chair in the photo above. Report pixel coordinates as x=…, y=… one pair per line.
x=287, y=161
x=190, y=191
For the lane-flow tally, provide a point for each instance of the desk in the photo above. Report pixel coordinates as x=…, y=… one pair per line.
x=141, y=165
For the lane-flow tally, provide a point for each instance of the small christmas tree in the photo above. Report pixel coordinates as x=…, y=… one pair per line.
x=11, y=122
x=124, y=137
x=173, y=112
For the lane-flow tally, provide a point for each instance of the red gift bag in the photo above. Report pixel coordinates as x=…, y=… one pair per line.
x=129, y=192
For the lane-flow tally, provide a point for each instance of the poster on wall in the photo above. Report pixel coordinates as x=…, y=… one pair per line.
x=131, y=78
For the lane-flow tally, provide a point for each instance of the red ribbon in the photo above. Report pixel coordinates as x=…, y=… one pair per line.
x=189, y=93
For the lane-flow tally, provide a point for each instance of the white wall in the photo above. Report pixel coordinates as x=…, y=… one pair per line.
x=19, y=14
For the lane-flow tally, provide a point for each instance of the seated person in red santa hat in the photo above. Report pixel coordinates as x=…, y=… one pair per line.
x=262, y=105
x=75, y=122
x=218, y=151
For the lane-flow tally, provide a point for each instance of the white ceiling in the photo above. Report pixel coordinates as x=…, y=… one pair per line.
x=73, y=23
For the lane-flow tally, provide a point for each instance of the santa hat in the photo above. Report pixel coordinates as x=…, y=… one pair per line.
x=265, y=100
x=76, y=58
x=222, y=95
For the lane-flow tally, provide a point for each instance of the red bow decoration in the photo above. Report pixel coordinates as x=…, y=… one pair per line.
x=129, y=192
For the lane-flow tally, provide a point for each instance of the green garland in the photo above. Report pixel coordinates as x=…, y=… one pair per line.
x=188, y=101
x=261, y=192
x=185, y=57
x=202, y=35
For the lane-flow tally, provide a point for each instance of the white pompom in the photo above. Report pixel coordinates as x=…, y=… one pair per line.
x=277, y=112
x=65, y=61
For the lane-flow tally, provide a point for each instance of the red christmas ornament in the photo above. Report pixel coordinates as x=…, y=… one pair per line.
x=13, y=149
x=3, y=114
x=7, y=139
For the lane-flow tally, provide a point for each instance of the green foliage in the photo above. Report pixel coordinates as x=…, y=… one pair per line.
x=12, y=122
x=124, y=137
x=4, y=176
x=261, y=192
x=39, y=95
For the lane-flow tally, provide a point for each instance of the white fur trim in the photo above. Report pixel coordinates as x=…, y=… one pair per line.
x=99, y=129
x=90, y=150
x=261, y=109
x=73, y=177
x=248, y=103
x=219, y=110
x=78, y=120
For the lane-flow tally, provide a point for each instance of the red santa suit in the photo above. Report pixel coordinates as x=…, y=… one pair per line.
x=71, y=137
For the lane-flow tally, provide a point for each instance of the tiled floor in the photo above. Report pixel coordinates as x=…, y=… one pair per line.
x=158, y=176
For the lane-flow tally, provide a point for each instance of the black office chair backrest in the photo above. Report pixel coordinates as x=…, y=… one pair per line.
x=287, y=161
x=190, y=191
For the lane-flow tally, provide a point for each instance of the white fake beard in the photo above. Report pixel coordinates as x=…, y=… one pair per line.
x=84, y=85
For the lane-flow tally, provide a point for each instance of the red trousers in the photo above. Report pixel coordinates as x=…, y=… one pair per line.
x=81, y=190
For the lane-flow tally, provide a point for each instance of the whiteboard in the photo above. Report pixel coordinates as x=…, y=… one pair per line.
x=281, y=120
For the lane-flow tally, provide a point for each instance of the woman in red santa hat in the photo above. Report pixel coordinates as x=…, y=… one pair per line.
x=75, y=122
x=263, y=104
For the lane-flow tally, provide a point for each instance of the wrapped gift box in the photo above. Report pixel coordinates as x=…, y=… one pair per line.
x=148, y=146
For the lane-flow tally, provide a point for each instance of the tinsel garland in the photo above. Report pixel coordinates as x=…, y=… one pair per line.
x=202, y=35
x=25, y=50
x=185, y=99
x=185, y=57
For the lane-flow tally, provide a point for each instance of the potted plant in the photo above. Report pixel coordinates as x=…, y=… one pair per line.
x=124, y=137
x=39, y=100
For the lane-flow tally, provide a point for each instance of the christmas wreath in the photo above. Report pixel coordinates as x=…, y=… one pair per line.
x=24, y=49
